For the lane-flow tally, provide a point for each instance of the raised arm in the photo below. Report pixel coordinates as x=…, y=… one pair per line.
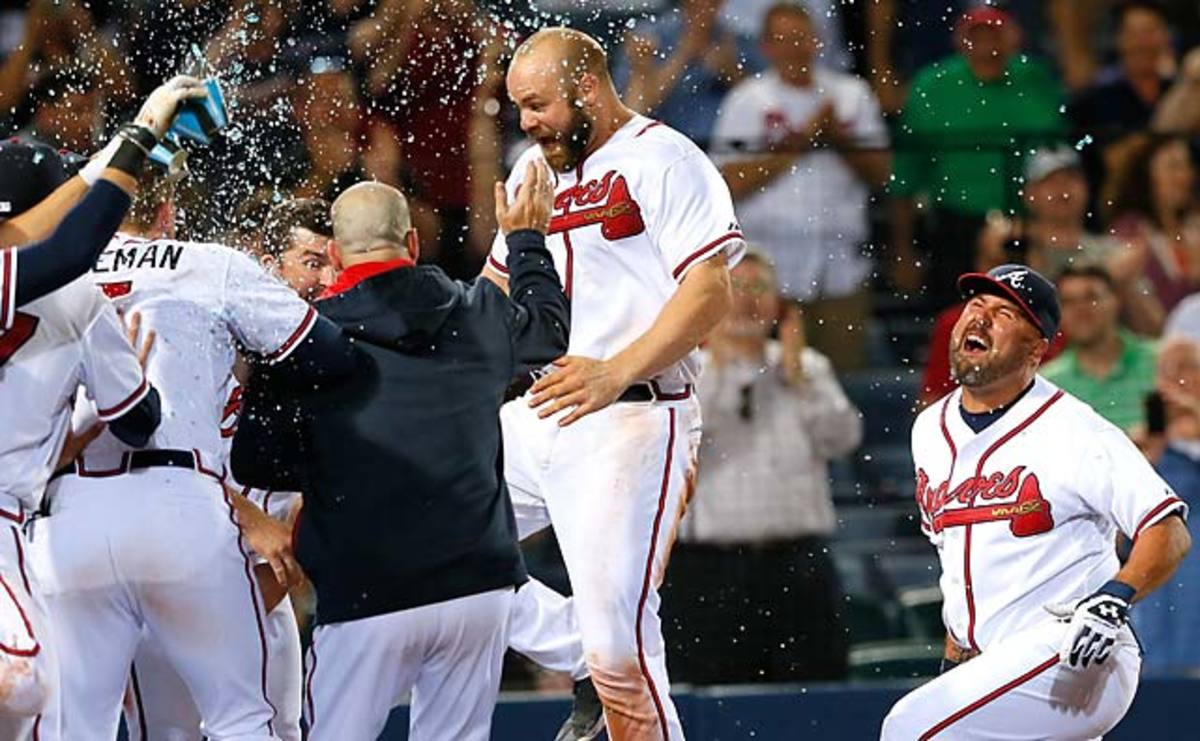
x=540, y=316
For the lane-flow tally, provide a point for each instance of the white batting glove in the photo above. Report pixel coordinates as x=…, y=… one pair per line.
x=1094, y=623
x=160, y=107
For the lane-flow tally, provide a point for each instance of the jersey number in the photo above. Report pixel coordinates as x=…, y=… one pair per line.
x=24, y=325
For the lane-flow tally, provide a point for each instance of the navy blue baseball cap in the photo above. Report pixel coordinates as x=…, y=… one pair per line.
x=30, y=170
x=1024, y=286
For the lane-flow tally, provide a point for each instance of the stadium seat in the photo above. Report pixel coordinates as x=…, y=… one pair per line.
x=906, y=659
x=869, y=619
x=854, y=573
x=875, y=548
x=887, y=469
x=921, y=612
x=904, y=570
x=879, y=521
x=887, y=399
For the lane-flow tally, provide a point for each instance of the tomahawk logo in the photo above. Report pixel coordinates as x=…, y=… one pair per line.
x=1016, y=278
x=606, y=202
x=987, y=499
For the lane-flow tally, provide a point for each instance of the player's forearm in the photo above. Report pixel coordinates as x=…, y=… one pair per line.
x=39, y=221
x=71, y=249
x=749, y=176
x=692, y=313
x=1156, y=553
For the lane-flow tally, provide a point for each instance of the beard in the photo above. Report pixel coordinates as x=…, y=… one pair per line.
x=568, y=147
x=977, y=373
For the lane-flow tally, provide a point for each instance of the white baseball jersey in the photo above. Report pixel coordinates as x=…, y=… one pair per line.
x=52, y=347
x=201, y=299
x=628, y=223
x=1025, y=513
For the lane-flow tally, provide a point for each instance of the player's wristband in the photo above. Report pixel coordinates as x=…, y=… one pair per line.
x=94, y=168
x=136, y=144
x=1118, y=589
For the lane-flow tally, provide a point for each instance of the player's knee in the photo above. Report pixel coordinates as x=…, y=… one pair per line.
x=616, y=666
x=24, y=686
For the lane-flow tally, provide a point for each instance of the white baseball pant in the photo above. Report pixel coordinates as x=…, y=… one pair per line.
x=449, y=655
x=154, y=550
x=614, y=485
x=28, y=675
x=1018, y=690
x=158, y=706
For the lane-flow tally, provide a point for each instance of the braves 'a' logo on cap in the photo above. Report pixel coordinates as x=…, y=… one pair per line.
x=1014, y=278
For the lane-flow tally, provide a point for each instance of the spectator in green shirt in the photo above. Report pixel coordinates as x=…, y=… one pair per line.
x=1106, y=366
x=961, y=144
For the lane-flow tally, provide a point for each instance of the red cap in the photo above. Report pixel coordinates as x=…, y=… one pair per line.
x=985, y=15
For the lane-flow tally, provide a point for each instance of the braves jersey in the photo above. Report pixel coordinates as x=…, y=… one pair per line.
x=628, y=223
x=52, y=347
x=202, y=300
x=1025, y=513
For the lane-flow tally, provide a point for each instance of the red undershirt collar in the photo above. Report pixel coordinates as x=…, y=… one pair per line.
x=355, y=274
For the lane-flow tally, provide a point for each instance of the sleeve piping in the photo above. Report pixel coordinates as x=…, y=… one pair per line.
x=1160, y=512
x=494, y=264
x=704, y=253
x=108, y=415
x=306, y=325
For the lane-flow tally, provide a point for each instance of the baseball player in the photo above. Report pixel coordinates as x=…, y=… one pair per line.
x=179, y=571
x=1022, y=489
x=603, y=445
x=58, y=336
x=157, y=703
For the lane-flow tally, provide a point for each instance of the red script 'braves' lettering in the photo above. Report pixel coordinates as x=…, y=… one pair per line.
x=606, y=202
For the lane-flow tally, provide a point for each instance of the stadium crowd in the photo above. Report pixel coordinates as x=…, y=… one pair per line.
x=875, y=150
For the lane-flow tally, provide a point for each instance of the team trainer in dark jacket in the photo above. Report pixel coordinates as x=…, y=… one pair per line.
x=407, y=530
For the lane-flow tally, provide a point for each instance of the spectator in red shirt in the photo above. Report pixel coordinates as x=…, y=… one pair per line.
x=431, y=94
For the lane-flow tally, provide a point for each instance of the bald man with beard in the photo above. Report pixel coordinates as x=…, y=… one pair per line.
x=603, y=444
x=407, y=530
